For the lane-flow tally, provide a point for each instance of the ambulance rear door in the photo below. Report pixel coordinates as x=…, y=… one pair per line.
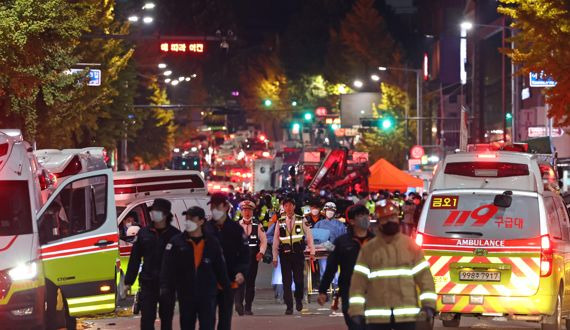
x=79, y=242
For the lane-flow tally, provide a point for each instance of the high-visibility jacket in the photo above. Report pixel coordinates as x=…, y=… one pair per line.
x=391, y=279
x=294, y=240
x=371, y=206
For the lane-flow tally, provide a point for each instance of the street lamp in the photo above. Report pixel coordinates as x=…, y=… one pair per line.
x=358, y=83
x=375, y=77
x=149, y=5
x=466, y=25
x=382, y=68
x=162, y=66
x=167, y=73
x=167, y=80
x=181, y=78
x=174, y=82
x=147, y=20
x=133, y=18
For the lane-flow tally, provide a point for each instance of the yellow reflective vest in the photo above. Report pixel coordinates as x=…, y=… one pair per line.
x=294, y=240
x=391, y=279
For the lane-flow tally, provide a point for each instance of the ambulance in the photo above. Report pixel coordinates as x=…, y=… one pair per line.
x=67, y=162
x=134, y=193
x=497, y=236
x=58, y=257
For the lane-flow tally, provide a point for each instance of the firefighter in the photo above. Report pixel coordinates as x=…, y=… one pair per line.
x=193, y=266
x=236, y=253
x=257, y=242
x=346, y=248
x=335, y=229
x=391, y=286
x=291, y=235
x=149, y=246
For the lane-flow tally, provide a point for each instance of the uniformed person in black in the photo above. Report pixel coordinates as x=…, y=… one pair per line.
x=193, y=266
x=345, y=253
x=149, y=246
x=236, y=253
x=257, y=242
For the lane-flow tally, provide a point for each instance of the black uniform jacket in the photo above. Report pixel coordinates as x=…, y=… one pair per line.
x=234, y=244
x=149, y=246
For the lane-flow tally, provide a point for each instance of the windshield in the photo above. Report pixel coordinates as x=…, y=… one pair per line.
x=475, y=216
x=15, y=218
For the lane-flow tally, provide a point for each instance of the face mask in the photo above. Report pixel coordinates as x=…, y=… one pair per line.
x=217, y=214
x=322, y=192
x=156, y=216
x=363, y=222
x=329, y=214
x=390, y=228
x=128, y=225
x=382, y=203
x=190, y=226
x=315, y=212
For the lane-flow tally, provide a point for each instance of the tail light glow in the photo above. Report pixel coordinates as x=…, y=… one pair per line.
x=546, y=256
x=419, y=239
x=3, y=149
x=74, y=167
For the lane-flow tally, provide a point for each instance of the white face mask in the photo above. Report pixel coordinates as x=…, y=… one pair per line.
x=382, y=202
x=156, y=216
x=190, y=226
x=217, y=214
x=329, y=214
x=315, y=211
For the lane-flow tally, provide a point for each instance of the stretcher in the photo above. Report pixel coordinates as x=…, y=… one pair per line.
x=311, y=269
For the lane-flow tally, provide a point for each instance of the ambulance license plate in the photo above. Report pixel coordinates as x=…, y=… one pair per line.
x=480, y=276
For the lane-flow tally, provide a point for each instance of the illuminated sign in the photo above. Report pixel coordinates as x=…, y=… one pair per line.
x=177, y=47
x=540, y=79
x=321, y=111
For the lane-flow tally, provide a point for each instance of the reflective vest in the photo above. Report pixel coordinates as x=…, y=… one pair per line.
x=294, y=240
x=371, y=206
x=253, y=238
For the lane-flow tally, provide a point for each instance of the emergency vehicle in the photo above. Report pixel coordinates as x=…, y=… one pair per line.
x=134, y=193
x=58, y=258
x=496, y=234
x=66, y=162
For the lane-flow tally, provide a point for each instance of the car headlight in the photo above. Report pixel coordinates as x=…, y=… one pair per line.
x=24, y=272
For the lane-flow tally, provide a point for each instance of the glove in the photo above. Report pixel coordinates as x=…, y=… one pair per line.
x=358, y=320
x=428, y=312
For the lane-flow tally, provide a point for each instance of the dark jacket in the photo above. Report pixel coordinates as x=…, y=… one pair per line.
x=345, y=253
x=179, y=274
x=149, y=245
x=234, y=245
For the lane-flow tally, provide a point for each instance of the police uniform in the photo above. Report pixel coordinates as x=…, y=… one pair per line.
x=290, y=238
x=257, y=242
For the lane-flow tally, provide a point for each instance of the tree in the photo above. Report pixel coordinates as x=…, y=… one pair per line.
x=542, y=43
x=391, y=143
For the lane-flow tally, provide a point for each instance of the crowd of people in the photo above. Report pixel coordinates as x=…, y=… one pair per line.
x=211, y=266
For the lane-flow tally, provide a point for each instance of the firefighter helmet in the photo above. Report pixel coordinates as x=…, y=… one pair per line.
x=330, y=206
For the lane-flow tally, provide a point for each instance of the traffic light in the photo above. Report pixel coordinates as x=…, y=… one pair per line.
x=387, y=123
x=509, y=116
x=308, y=116
x=295, y=128
x=334, y=127
x=267, y=103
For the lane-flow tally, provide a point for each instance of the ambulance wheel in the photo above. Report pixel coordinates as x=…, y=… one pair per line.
x=555, y=321
x=70, y=321
x=454, y=323
x=55, y=308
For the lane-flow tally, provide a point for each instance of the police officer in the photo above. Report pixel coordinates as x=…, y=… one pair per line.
x=291, y=235
x=236, y=253
x=149, y=246
x=391, y=286
x=257, y=242
x=346, y=248
x=193, y=266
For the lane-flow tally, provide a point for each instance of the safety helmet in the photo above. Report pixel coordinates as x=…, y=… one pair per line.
x=330, y=206
x=247, y=204
x=386, y=211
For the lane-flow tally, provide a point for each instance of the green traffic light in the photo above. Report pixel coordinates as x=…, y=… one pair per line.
x=334, y=127
x=267, y=103
x=308, y=116
x=387, y=123
x=509, y=116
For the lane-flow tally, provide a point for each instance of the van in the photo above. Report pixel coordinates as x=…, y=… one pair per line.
x=497, y=236
x=58, y=257
x=134, y=193
x=66, y=162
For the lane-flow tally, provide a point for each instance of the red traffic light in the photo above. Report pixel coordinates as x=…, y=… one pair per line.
x=182, y=47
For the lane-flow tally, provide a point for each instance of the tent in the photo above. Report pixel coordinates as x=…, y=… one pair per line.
x=385, y=176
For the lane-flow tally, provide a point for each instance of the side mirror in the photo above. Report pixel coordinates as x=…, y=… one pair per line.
x=504, y=200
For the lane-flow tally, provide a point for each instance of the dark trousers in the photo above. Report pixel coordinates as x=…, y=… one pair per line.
x=351, y=325
x=203, y=309
x=247, y=289
x=225, y=302
x=149, y=297
x=292, y=268
x=392, y=326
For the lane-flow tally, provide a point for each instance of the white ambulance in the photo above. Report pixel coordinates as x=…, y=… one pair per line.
x=135, y=192
x=66, y=162
x=497, y=236
x=58, y=258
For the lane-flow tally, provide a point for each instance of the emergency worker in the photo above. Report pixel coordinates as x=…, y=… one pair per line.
x=346, y=248
x=314, y=215
x=391, y=286
x=335, y=229
x=193, y=267
x=291, y=235
x=236, y=253
x=257, y=242
x=149, y=246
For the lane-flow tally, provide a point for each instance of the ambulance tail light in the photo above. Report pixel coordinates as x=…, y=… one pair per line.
x=72, y=168
x=4, y=149
x=545, y=256
x=486, y=169
x=419, y=239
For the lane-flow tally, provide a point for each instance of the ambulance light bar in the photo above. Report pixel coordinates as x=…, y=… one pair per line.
x=486, y=169
x=72, y=168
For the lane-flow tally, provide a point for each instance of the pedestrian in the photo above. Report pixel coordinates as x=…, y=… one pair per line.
x=236, y=253
x=257, y=242
x=193, y=267
x=291, y=236
x=391, y=286
x=346, y=248
x=148, y=247
x=335, y=229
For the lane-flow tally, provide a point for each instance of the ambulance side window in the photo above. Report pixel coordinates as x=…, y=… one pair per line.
x=552, y=217
x=81, y=206
x=563, y=217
